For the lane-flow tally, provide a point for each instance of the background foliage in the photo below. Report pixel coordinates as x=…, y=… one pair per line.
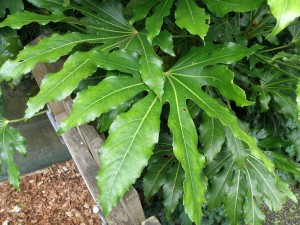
x=200, y=95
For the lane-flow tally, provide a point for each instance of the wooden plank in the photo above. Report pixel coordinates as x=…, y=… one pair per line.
x=84, y=144
x=82, y=157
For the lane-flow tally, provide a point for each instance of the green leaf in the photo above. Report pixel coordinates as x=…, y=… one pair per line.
x=156, y=176
x=283, y=163
x=282, y=91
x=285, y=11
x=165, y=42
x=106, y=96
x=221, y=7
x=173, y=188
x=155, y=21
x=12, y=5
x=107, y=119
x=19, y=19
x=52, y=5
x=151, y=66
x=140, y=8
x=253, y=215
x=188, y=15
x=212, y=136
x=222, y=78
x=123, y=162
x=47, y=50
x=185, y=149
x=298, y=99
x=58, y=86
x=235, y=200
x=212, y=54
x=11, y=140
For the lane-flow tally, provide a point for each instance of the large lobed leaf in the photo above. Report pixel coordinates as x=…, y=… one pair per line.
x=12, y=5
x=242, y=186
x=123, y=161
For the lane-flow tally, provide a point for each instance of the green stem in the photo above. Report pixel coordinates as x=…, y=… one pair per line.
x=275, y=67
x=183, y=36
x=24, y=119
x=277, y=48
x=250, y=24
x=282, y=63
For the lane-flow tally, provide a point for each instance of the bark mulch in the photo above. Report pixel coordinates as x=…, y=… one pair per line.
x=55, y=195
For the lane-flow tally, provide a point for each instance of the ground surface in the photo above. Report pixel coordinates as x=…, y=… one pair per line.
x=56, y=195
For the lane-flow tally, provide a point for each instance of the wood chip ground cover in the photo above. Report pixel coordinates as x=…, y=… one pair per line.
x=55, y=195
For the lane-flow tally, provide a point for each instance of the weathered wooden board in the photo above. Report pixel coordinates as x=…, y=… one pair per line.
x=84, y=143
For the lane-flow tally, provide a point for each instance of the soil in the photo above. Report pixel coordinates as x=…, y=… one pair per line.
x=55, y=195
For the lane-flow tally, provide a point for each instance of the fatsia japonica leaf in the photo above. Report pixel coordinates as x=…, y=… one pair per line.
x=52, y=5
x=151, y=64
x=221, y=7
x=185, y=142
x=122, y=162
x=140, y=8
x=190, y=16
x=242, y=185
x=173, y=188
x=298, y=99
x=11, y=140
x=102, y=98
x=58, y=86
x=280, y=89
x=20, y=19
x=283, y=163
x=212, y=136
x=155, y=21
x=157, y=171
x=222, y=78
x=184, y=76
x=165, y=42
x=12, y=5
x=47, y=50
x=285, y=11
x=166, y=171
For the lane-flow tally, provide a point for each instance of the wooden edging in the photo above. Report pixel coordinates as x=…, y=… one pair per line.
x=84, y=143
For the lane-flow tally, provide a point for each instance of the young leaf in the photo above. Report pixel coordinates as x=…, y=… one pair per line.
x=20, y=19
x=221, y=7
x=140, y=8
x=188, y=15
x=212, y=136
x=106, y=96
x=185, y=150
x=165, y=42
x=285, y=11
x=11, y=140
x=155, y=21
x=122, y=162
